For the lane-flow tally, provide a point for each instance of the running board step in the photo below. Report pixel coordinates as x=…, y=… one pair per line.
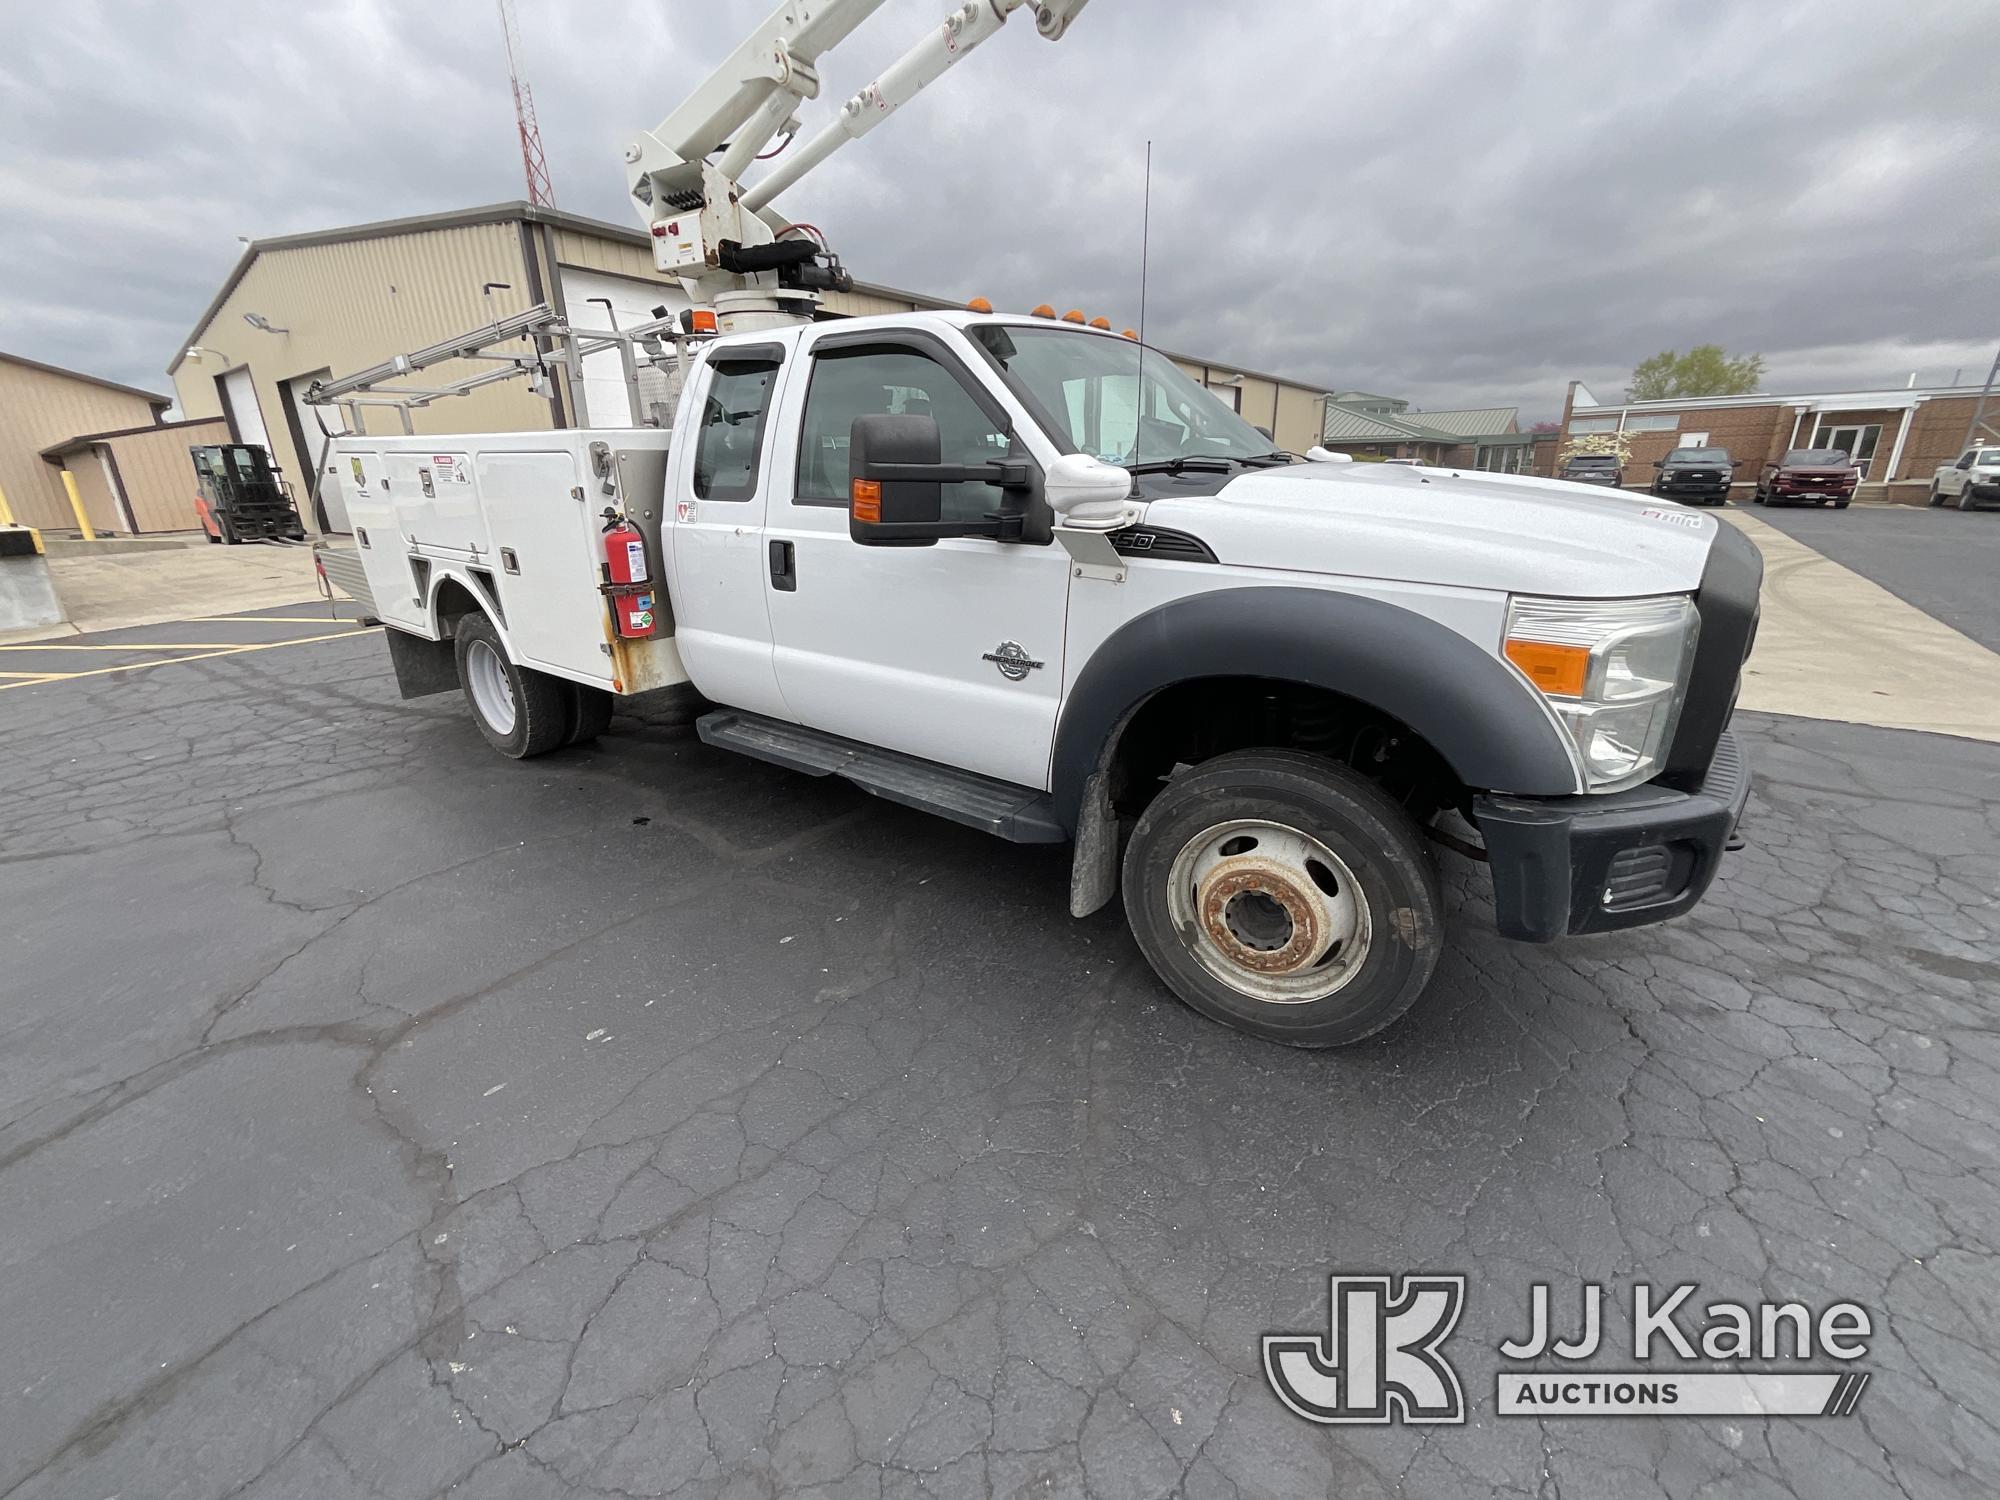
x=1015, y=813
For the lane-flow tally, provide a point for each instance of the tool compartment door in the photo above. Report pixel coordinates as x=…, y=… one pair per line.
x=544, y=560
x=378, y=538
x=436, y=502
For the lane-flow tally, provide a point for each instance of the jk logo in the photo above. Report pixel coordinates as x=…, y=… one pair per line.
x=1380, y=1361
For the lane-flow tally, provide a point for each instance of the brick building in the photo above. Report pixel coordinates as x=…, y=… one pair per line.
x=1898, y=437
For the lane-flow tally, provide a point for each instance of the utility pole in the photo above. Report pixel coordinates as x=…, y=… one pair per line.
x=1979, y=421
x=540, y=193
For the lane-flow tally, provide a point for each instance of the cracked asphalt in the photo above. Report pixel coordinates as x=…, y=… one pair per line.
x=386, y=1119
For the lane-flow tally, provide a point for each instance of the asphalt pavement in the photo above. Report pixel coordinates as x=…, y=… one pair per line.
x=1945, y=561
x=384, y=1118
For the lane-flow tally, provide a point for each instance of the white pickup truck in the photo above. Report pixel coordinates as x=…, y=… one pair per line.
x=1972, y=479
x=1030, y=577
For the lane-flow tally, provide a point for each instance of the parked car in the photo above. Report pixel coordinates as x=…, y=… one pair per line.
x=1974, y=478
x=1593, y=468
x=1818, y=475
x=1699, y=476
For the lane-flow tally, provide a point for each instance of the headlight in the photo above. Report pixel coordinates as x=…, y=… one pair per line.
x=1614, y=670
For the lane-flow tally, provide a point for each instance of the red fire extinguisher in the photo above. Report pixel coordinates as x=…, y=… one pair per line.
x=626, y=580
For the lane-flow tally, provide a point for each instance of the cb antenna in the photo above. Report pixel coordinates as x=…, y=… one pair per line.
x=1145, y=243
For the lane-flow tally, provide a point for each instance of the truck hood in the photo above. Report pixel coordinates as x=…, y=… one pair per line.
x=1511, y=533
x=1815, y=471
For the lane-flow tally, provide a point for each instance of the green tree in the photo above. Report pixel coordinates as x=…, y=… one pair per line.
x=1705, y=370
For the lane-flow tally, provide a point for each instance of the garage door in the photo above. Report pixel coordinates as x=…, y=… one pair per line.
x=241, y=395
x=632, y=302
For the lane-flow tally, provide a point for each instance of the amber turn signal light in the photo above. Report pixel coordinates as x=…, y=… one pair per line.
x=1559, y=671
x=866, y=496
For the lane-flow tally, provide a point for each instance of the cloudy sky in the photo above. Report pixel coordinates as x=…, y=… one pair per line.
x=1461, y=201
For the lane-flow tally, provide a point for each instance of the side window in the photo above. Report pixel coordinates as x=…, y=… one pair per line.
x=731, y=435
x=870, y=382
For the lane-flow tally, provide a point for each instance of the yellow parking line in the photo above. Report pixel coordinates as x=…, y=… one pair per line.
x=169, y=661
x=259, y=619
x=34, y=676
x=151, y=645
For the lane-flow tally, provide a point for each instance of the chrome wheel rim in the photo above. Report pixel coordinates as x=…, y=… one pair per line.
x=492, y=692
x=1270, y=911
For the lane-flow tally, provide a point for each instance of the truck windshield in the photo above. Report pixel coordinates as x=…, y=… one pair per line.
x=1698, y=456
x=1115, y=400
x=1815, y=458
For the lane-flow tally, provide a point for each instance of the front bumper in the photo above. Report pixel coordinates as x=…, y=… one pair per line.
x=1568, y=865
x=1693, y=487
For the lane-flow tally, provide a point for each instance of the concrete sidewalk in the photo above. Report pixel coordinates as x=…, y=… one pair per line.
x=110, y=591
x=1834, y=645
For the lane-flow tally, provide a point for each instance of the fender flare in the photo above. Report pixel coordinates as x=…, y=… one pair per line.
x=1476, y=713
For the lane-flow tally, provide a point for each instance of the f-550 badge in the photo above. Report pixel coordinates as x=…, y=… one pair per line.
x=1012, y=658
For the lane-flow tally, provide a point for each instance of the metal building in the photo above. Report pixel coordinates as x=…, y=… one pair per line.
x=42, y=405
x=302, y=307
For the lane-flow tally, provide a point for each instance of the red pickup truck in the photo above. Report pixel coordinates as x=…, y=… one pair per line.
x=1818, y=475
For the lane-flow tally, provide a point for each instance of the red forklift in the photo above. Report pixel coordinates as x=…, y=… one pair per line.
x=243, y=496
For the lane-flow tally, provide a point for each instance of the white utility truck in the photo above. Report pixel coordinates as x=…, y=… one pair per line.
x=1027, y=575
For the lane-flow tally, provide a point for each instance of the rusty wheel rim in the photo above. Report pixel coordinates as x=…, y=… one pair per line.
x=1269, y=910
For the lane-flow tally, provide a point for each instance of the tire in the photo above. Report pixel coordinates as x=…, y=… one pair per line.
x=1756, y=497
x=521, y=712
x=1937, y=496
x=589, y=713
x=229, y=536
x=1965, y=500
x=1336, y=851
x=1842, y=504
x=216, y=541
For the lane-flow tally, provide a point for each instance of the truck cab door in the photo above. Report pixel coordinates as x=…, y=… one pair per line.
x=718, y=480
x=951, y=651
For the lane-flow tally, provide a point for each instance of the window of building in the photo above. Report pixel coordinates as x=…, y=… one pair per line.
x=1653, y=422
x=731, y=436
x=1230, y=396
x=869, y=382
x=1593, y=424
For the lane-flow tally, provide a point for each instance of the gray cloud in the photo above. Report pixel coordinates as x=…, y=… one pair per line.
x=1462, y=201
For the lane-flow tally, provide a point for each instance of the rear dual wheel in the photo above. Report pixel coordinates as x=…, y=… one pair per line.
x=1281, y=894
x=522, y=712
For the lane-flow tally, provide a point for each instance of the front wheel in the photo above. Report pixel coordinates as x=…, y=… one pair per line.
x=1965, y=501
x=1281, y=894
x=1937, y=495
x=1756, y=497
x=521, y=712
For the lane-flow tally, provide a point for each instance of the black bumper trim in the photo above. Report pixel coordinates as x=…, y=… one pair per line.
x=1552, y=857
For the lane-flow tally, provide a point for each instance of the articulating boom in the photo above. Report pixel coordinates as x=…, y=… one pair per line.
x=717, y=236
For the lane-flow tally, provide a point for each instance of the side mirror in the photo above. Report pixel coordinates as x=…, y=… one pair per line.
x=883, y=509
x=1089, y=493
x=1659, y=463
x=896, y=485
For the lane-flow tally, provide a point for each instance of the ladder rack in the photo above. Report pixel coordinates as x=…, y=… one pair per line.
x=556, y=344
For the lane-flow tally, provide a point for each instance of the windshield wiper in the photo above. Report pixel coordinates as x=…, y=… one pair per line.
x=1200, y=463
x=1267, y=460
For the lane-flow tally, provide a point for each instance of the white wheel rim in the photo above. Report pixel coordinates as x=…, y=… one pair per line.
x=1270, y=911
x=492, y=692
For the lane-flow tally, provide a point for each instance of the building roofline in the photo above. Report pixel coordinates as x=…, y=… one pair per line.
x=111, y=385
x=55, y=451
x=1857, y=400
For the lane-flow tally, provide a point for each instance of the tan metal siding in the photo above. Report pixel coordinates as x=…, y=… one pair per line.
x=159, y=475
x=349, y=305
x=39, y=409
x=1300, y=413
x=617, y=257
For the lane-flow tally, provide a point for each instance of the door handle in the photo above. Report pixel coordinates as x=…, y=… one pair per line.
x=783, y=578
